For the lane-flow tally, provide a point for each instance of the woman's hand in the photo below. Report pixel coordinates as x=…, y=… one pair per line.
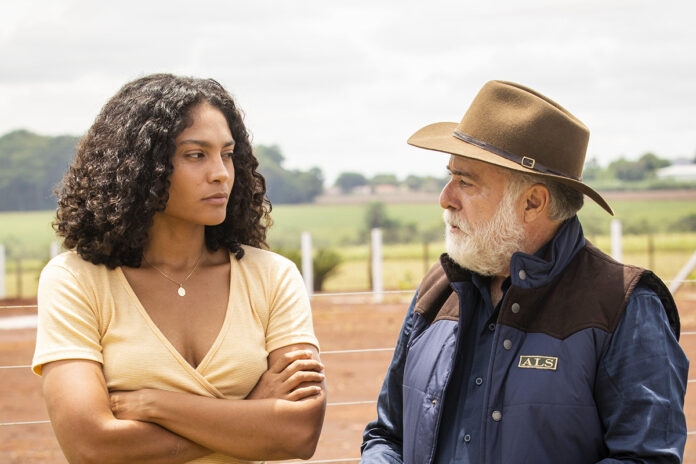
x=87, y=430
x=292, y=376
x=130, y=405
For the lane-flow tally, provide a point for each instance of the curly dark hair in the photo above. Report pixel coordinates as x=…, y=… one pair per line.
x=120, y=175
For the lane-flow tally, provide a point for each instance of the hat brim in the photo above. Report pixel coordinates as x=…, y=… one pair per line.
x=439, y=137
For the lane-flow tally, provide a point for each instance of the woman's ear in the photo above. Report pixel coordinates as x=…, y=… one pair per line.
x=537, y=200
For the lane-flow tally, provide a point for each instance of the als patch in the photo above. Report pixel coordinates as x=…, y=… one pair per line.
x=538, y=362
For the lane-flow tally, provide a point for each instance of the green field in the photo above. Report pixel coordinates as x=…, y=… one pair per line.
x=27, y=236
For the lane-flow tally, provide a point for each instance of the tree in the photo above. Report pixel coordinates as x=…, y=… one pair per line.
x=627, y=170
x=686, y=224
x=324, y=264
x=393, y=230
x=643, y=168
x=347, y=181
x=287, y=186
x=376, y=217
x=414, y=182
x=426, y=183
x=652, y=163
x=389, y=179
x=32, y=165
x=592, y=170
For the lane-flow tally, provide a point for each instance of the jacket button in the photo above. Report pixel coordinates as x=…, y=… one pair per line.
x=434, y=402
x=467, y=438
x=515, y=308
x=522, y=274
x=491, y=326
x=507, y=344
x=497, y=416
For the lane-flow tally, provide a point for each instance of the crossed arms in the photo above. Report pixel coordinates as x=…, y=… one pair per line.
x=280, y=419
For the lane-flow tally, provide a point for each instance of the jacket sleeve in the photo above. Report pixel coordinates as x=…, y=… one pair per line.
x=382, y=439
x=640, y=386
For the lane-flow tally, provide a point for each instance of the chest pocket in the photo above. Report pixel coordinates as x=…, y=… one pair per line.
x=547, y=370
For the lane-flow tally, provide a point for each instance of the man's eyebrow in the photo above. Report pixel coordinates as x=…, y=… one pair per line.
x=456, y=172
x=204, y=143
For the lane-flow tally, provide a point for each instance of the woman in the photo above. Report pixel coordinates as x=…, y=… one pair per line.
x=166, y=335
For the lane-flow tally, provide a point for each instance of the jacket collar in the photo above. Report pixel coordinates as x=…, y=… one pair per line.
x=539, y=268
x=550, y=260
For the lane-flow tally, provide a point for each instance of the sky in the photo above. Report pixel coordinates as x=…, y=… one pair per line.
x=341, y=85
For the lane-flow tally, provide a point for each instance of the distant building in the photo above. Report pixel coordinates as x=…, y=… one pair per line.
x=381, y=189
x=681, y=172
x=362, y=190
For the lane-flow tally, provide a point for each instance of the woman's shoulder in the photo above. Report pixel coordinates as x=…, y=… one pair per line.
x=70, y=273
x=71, y=262
x=266, y=264
x=259, y=257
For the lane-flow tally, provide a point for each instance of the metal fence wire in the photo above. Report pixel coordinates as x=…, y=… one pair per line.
x=690, y=434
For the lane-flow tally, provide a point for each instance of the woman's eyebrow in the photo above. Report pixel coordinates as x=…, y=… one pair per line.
x=204, y=143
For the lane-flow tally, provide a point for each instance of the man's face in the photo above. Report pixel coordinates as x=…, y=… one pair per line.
x=483, y=219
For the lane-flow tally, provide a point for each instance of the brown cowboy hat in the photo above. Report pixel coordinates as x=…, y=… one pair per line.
x=512, y=126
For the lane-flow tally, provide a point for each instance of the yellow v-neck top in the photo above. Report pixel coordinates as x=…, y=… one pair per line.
x=88, y=311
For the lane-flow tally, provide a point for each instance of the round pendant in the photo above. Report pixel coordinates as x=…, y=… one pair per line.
x=181, y=291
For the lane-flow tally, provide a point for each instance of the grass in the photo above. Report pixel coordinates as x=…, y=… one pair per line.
x=403, y=267
x=340, y=227
x=642, y=216
x=333, y=225
x=27, y=234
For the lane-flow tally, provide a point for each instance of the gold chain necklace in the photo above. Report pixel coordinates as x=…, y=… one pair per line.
x=181, y=291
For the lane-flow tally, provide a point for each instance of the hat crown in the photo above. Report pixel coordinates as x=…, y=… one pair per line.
x=514, y=127
x=519, y=121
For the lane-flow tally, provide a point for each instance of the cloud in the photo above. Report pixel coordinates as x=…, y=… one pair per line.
x=342, y=85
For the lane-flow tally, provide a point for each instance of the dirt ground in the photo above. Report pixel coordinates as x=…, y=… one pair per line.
x=342, y=323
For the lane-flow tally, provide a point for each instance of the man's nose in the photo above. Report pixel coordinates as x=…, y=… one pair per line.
x=447, y=198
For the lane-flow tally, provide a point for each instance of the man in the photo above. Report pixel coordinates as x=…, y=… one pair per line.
x=525, y=344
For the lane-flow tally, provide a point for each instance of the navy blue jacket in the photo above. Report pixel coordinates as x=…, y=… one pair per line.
x=568, y=378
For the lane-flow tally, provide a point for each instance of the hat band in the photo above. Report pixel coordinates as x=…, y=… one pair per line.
x=526, y=161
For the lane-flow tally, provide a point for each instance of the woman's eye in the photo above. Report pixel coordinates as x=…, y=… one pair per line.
x=195, y=155
x=229, y=155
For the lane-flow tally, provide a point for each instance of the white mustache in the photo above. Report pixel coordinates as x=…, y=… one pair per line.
x=452, y=220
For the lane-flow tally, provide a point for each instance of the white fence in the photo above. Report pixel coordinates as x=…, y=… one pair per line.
x=376, y=260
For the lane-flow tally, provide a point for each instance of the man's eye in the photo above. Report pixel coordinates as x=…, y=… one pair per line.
x=195, y=155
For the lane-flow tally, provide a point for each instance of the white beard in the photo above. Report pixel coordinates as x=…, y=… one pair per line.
x=486, y=248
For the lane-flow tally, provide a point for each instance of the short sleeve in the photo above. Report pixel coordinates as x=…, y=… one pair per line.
x=68, y=326
x=290, y=316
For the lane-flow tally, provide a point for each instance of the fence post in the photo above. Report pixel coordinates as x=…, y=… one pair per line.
x=683, y=274
x=376, y=247
x=307, y=270
x=426, y=257
x=54, y=249
x=18, y=268
x=3, y=288
x=616, y=240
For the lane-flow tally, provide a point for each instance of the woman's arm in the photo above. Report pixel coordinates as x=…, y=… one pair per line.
x=254, y=429
x=87, y=431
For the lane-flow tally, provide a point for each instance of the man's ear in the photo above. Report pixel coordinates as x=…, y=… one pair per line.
x=537, y=202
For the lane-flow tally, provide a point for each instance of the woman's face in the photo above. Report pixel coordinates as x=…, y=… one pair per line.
x=203, y=174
